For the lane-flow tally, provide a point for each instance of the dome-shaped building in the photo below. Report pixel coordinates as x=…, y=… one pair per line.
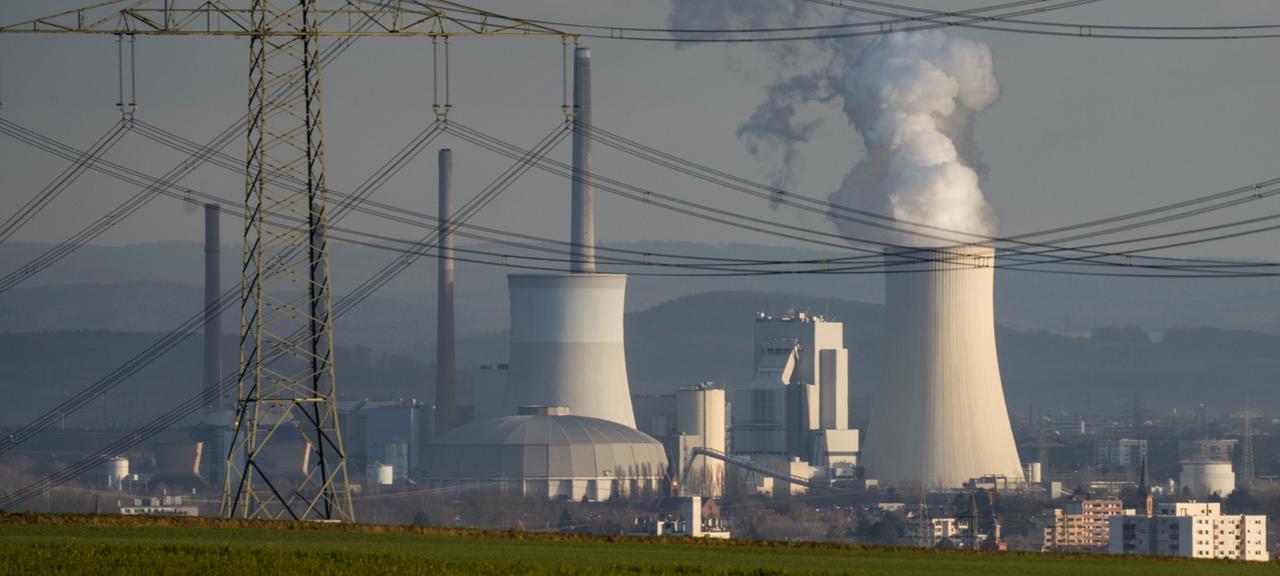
x=546, y=452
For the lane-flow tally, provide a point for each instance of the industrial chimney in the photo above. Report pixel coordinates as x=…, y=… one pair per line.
x=583, y=217
x=938, y=417
x=212, y=312
x=446, y=370
x=567, y=329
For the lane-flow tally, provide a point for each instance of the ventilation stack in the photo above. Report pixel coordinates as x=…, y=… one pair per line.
x=446, y=369
x=583, y=216
x=567, y=344
x=939, y=418
x=213, y=399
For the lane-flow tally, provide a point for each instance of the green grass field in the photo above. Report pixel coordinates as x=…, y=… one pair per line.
x=117, y=545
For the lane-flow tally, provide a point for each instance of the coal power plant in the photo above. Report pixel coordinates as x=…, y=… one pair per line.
x=730, y=272
x=938, y=417
x=566, y=427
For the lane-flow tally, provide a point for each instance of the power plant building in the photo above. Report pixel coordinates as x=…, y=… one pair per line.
x=547, y=452
x=794, y=413
x=938, y=415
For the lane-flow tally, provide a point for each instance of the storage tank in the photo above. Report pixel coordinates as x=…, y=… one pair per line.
x=938, y=415
x=117, y=471
x=1207, y=477
x=700, y=423
x=567, y=345
x=1033, y=472
x=386, y=474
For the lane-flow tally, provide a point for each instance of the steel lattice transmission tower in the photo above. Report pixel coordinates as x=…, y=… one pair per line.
x=287, y=387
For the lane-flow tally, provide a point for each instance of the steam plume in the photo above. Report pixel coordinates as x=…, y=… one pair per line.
x=911, y=95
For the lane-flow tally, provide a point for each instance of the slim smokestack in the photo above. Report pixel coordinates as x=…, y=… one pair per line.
x=446, y=371
x=583, y=252
x=212, y=315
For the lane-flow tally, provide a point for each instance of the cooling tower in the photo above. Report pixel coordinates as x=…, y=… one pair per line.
x=567, y=345
x=939, y=417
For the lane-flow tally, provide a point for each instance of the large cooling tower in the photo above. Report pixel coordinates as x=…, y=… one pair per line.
x=939, y=417
x=567, y=345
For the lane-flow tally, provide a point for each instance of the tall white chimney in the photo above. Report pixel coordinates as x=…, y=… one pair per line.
x=582, y=218
x=446, y=369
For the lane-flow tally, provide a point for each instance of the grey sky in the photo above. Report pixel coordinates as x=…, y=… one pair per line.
x=1084, y=128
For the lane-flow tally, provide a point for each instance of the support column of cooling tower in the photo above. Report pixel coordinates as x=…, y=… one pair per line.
x=446, y=370
x=583, y=220
x=212, y=312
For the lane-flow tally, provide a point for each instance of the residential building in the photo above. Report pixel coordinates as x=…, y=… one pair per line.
x=1083, y=526
x=1191, y=530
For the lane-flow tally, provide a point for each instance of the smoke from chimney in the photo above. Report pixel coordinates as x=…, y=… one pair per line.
x=912, y=96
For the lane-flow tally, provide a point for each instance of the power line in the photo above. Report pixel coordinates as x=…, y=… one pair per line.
x=168, y=180
x=712, y=214
x=922, y=20
x=64, y=180
x=346, y=304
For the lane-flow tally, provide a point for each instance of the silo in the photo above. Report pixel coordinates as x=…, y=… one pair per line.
x=700, y=422
x=1203, y=478
x=938, y=414
x=567, y=345
x=117, y=471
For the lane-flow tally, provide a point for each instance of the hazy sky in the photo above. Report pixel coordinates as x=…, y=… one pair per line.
x=1084, y=127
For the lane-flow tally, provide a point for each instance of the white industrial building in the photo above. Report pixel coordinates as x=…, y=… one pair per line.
x=1191, y=530
x=547, y=452
x=938, y=416
x=793, y=416
x=1202, y=478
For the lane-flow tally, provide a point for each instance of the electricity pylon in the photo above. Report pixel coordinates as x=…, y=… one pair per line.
x=287, y=390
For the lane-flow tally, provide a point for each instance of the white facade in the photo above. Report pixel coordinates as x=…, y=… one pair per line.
x=567, y=345
x=837, y=451
x=700, y=423
x=938, y=416
x=546, y=452
x=1191, y=530
x=1204, y=478
x=801, y=385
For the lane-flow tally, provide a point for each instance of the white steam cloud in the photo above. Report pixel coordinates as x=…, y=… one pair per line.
x=911, y=95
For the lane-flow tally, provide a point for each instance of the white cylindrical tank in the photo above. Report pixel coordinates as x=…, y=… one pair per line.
x=938, y=415
x=700, y=411
x=117, y=471
x=1207, y=477
x=700, y=423
x=1033, y=472
x=567, y=345
x=386, y=475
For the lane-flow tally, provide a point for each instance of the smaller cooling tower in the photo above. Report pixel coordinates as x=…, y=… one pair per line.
x=567, y=345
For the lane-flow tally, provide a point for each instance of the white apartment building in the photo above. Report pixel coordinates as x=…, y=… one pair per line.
x=1191, y=530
